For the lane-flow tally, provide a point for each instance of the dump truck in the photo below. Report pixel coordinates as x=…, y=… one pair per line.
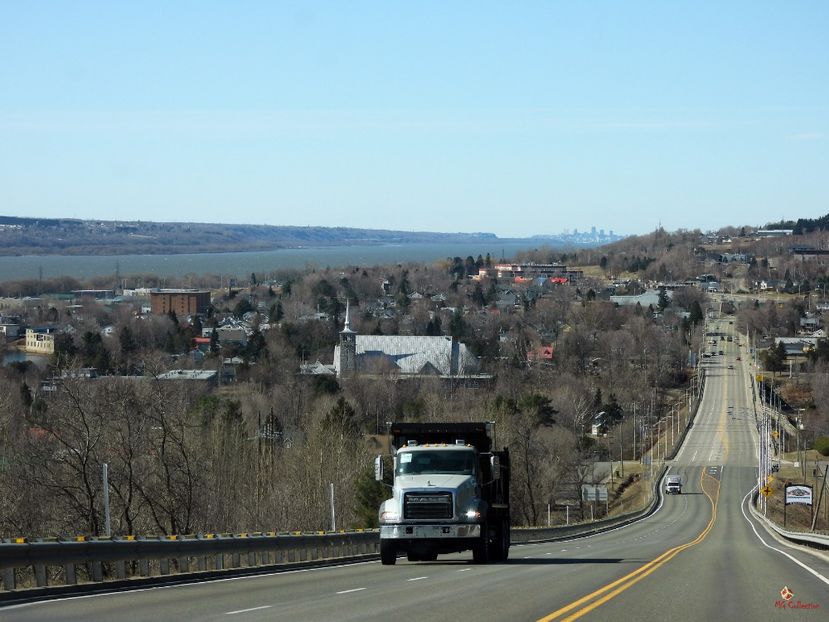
x=673, y=485
x=450, y=493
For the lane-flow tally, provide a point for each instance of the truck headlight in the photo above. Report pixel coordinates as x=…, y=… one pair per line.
x=472, y=514
x=389, y=517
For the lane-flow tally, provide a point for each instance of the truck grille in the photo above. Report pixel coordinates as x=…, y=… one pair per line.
x=427, y=505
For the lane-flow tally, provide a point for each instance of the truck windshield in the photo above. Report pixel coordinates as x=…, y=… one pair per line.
x=437, y=461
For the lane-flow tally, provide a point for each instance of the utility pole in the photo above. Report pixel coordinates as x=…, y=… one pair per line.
x=107, y=526
x=333, y=517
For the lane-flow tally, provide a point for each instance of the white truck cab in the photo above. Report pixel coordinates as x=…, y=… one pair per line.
x=673, y=485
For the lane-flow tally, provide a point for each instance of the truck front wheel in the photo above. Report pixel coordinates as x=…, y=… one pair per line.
x=388, y=553
x=480, y=551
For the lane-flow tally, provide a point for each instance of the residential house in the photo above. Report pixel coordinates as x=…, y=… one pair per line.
x=40, y=340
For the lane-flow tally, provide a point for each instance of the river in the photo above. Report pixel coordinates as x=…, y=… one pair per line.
x=243, y=264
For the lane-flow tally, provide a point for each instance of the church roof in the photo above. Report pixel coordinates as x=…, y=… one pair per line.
x=411, y=355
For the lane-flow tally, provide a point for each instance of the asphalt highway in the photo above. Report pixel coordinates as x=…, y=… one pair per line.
x=701, y=556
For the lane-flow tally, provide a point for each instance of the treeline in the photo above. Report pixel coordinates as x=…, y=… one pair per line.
x=34, y=236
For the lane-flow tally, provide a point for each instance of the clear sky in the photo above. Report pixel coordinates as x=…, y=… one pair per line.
x=517, y=118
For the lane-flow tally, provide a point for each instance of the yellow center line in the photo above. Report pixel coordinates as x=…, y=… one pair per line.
x=640, y=573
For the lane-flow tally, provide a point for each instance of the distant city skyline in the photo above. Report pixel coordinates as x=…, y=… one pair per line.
x=519, y=120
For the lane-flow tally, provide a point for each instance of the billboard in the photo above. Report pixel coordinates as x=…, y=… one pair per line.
x=799, y=493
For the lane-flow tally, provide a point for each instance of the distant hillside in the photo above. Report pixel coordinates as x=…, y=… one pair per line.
x=40, y=236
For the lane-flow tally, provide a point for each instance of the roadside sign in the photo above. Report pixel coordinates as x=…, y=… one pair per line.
x=799, y=493
x=766, y=491
x=594, y=493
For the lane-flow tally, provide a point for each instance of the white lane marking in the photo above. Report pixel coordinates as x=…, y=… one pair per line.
x=563, y=550
x=694, y=459
x=795, y=560
x=233, y=613
x=418, y=578
x=356, y=589
x=528, y=557
x=464, y=570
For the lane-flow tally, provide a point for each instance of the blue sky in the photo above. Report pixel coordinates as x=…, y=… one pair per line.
x=515, y=118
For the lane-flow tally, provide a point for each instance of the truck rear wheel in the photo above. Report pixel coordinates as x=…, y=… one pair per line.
x=388, y=553
x=499, y=549
x=504, y=541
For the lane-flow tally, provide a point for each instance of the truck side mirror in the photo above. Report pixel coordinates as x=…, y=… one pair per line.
x=378, y=468
x=495, y=463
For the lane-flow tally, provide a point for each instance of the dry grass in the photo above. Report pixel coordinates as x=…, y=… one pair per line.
x=635, y=496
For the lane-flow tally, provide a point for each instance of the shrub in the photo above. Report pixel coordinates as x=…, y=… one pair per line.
x=822, y=445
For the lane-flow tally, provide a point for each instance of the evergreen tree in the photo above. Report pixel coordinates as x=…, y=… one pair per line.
x=696, y=313
x=478, y=295
x=127, y=341
x=25, y=394
x=664, y=300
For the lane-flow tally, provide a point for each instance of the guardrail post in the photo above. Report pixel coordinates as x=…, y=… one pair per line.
x=251, y=558
x=235, y=560
x=69, y=577
x=8, y=579
x=202, y=563
x=40, y=575
x=144, y=567
x=220, y=561
x=97, y=572
x=184, y=564
x=164, y=566
x=121, y=569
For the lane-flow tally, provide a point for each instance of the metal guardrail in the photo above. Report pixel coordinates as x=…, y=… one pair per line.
x=116, y=561
x=809, y=539
x=526, y=535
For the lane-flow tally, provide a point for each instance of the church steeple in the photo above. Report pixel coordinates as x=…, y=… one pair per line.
x=347, y=326
x=348, y=346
